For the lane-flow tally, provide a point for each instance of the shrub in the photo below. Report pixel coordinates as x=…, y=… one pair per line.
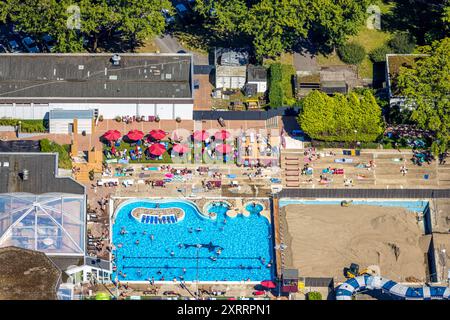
x=379, y=54
x=64, y=160
x=402, y=42
x=314, y=295
x=352, y=53
x=280, y=86
x=118, y=118
x=29, y=126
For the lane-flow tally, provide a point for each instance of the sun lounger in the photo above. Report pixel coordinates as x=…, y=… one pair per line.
x=291, y=158
x=292, y=185
x=292, y=174
x=292, y=163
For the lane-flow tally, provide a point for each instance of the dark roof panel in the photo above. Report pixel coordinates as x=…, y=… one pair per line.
x=42, y=174
x=94, y=76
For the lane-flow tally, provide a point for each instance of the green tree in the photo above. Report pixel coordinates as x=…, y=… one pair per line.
x=427, y=90
x=314, y=295
x=333, y=21
x=402, y=42
x=379, y=54
x=355, y=117
x=352, y=53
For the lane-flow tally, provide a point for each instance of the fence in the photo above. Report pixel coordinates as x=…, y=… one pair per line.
x=366, y=193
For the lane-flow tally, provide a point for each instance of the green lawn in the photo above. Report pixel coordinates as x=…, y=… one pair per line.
x=64, y=161
x=124, y=145
x=369, y=39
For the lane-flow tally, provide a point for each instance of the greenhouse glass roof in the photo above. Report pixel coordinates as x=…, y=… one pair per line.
x=53, y=223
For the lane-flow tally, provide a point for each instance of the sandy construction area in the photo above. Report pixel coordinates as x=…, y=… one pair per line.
x=324, y=239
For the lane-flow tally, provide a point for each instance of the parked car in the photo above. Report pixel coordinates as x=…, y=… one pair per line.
x=13, y=46
x=2, y=49
x=30, y=45
x=182, y=10
x=169, y=19
x=49, y=42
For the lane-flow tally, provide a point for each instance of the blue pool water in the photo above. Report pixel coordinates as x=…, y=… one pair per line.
x=414, y=205
x=244, y=240
x=254, y=209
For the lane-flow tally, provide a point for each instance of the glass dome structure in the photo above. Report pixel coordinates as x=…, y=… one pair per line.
x=53, y=223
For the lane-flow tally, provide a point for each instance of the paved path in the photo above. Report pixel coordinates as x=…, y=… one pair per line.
x=169, y=44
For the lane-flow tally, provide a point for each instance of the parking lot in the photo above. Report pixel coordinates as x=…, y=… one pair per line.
x=14, y=41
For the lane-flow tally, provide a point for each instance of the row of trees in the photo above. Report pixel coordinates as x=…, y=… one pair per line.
x=348, y=118
x=426, y=88
x=71, y=22
x=275, y=26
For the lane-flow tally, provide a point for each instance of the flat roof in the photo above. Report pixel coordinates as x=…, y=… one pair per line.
x=57, y=114
x=27, y=275
x=256, y=73
x=94, y=77
x=42, y=174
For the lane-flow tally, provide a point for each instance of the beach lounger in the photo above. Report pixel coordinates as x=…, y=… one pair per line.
x=292, y=174
x=291, y=158
x=292, y=185
x=292, y=163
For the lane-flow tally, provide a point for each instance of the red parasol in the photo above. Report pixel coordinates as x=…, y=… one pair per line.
x=222, y=135
x=201, y=135
x=268, y=284
x=135, y=135
x=180, y=148
x=112, y=135
x=157, y=149
x=223, y=148
x=157, y=134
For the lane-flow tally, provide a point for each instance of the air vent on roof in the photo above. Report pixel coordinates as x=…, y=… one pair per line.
x=116, y=60
x=81, y=67
x=25, y=175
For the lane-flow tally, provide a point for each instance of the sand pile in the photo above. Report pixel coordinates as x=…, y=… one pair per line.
x=324, y=239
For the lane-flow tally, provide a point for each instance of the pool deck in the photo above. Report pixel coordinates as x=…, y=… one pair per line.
x=276, y=228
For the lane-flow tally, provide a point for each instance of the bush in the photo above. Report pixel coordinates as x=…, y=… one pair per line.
x=28, y=126
x=119, y=119
x=314, y=295
x=402, y=43
x=281, y=91
x=64, y=160
x=352, y=53
x=379, y=54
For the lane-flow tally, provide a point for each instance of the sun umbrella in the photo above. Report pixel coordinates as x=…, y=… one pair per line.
x=157, y=134
x=135, y=135
x=157, y=149
x=222, y=135
x=112, y=135
x=268, y=284
x=201, y=135
x=180, y=148
x=223, y=148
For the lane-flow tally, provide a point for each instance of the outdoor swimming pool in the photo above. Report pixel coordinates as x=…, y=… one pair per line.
x=243, y=241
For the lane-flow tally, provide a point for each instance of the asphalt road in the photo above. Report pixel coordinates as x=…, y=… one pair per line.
x=168, y=44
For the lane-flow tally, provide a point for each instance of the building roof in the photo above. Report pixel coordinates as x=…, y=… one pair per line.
x=58, y=114
x=231, y=57
x=42, y=174
x=20, y=146
x=393, y=64
x=332, y=87
x=94, y=77
x=227, y=71
x=27, y=275
x=256, y=74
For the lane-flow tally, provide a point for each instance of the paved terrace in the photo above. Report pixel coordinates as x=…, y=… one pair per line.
x=385, y=174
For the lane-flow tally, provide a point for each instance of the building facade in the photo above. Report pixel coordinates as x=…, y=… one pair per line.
x=140, y=85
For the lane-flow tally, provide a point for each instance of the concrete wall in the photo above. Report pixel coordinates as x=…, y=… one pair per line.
x=61, y=126
x=228, y=82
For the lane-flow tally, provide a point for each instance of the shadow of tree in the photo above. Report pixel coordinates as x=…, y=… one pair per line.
x=421, y=18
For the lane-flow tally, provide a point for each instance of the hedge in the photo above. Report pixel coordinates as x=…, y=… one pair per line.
x=28, y=126
x=281, y=91
x=64, y=161
x=314, y=295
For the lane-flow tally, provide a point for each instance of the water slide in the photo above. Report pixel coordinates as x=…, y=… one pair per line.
x=367, y=282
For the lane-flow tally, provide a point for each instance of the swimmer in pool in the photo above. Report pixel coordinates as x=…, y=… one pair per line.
x=198, y=229
x=144, y=232
x=184, y=270
x=134, y=233
x=190, y=230
x=137, y=242
x=152, y=237
x=172, y=253
x=219, y=251
x=180, y=246
x=213, y=258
